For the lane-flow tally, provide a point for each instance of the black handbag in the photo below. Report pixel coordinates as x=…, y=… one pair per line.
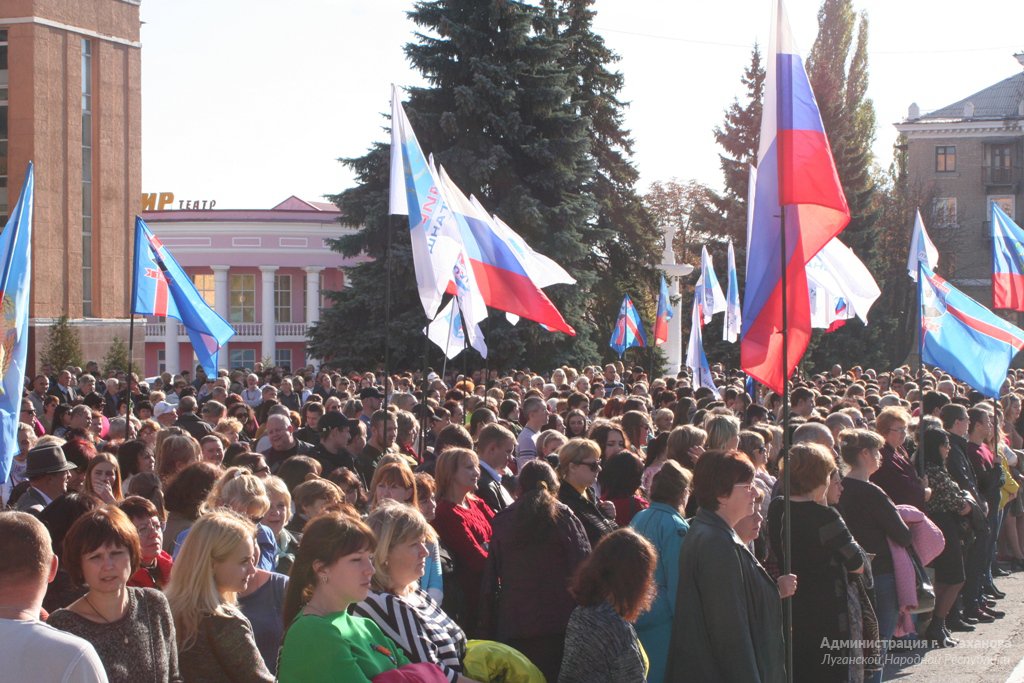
x=925, y=590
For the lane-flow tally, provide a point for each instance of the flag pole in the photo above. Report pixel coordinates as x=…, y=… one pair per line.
x=426, y=388
x=387, y=307
x=787, y=562
x=131, y=331
x=919, y=454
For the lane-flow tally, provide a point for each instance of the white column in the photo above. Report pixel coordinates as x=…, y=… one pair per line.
x=220, y=290
x=673, y=271
x=171, y=360
x=312, y=302
x=267, y=311
x=313, y=294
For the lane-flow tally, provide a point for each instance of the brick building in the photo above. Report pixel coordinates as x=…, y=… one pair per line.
x=962, y=158
x=70, y=100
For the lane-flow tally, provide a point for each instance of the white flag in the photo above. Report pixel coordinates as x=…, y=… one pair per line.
x=839, y=285
x=707, y=292
x=922, y=249
x=446, y=331
x=432, y=229
x=731, y=329
x=696, y=359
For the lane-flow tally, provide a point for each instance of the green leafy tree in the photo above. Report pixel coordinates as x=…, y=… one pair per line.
x=739, y=136
x=838, y=70
x=63, y=347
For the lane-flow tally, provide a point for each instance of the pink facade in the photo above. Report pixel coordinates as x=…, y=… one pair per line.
x=265, y=272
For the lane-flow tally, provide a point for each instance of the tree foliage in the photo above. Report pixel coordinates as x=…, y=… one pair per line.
x=523, y=112
x=116, y=357
x=63, y=347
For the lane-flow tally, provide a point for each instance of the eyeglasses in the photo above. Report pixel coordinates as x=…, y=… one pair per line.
x=749, y=488
x=593, y=465
x=30, y=411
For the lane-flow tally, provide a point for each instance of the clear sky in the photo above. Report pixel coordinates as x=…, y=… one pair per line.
x=250, y=101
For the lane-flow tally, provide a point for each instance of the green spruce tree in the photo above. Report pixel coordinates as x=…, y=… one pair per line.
x=63, y=347
x=628, y=243
x=498, y=116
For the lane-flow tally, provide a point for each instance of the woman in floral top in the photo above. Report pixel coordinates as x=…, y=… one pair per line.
x=948, y=508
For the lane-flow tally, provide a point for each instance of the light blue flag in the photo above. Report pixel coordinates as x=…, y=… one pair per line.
x=964, y=338
x=161, y=287
x=15, y=281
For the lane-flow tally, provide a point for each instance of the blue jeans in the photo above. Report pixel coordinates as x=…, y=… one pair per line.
x=887, y=610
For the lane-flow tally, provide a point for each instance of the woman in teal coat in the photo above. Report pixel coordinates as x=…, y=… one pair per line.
x=663, y=525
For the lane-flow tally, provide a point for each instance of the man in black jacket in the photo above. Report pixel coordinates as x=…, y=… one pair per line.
x=494, y=447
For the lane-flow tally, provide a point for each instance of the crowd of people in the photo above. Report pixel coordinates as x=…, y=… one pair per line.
x=587, y=525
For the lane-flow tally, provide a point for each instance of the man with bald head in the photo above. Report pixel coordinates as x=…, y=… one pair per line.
x=814, y=432
x=283, y=443
x=29, y=649
x=837, y=422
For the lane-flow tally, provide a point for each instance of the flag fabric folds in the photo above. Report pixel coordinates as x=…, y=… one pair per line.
x=922, y=249
x=696, y=359
x=498, y=267
x=1007, y=261
x=841, y=287
x=707, y=292
x=963, y=338
x=733, y=314
x=664, y=314
x=15, y=281
x=628, y=330
x=415, y=192
x=796, y=175
x=447, y=332
x=161, y=287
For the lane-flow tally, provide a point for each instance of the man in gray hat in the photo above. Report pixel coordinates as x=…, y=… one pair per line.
x=47, y=471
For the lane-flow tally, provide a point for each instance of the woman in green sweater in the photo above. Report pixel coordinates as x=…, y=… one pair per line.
x=324, y=642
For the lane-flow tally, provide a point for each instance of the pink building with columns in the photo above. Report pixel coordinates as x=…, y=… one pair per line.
x=264, y=271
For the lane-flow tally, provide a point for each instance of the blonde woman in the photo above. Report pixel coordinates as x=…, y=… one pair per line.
x=277, y=519
x=243, y=492
x=397, y=603
x=215, y=640
x=723, y=433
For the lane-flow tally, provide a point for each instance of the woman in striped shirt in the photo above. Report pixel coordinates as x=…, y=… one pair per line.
x=397, y=604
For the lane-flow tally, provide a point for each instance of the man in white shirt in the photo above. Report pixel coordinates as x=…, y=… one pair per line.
x=29, y=649
x=534, y=415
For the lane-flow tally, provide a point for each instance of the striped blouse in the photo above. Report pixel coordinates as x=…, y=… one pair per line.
x=418, y=625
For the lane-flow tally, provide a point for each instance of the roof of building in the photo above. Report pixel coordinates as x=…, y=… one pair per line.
x=294, y=203
x=999, y=102
x=291, y=210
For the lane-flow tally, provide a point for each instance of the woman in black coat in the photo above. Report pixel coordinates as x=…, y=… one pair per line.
x=579, y=461
x=522, y=607
x=728, y=616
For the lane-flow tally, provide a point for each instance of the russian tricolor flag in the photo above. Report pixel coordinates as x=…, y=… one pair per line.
x=1007, y=261
x=500, y=274
x=795, y=174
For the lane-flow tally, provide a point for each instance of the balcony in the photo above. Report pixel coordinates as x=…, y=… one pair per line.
x=1001, y=176
x=283, y=332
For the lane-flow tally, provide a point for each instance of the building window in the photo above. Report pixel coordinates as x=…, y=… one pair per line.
x=283, y=359
x=161, y=361
x=242, y=359
x=283, y=298
x=243, y=298
x=945, y=159
x=86, y=177
x=1006, y=202
x=944, y=212
x=999, y=164
x=204, y=284
x=4, y=206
